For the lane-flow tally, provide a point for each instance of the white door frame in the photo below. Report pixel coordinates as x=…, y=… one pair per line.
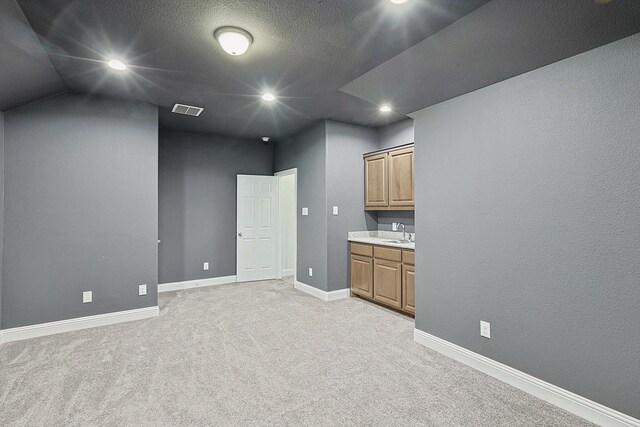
x=294, y=172
x=254, y=231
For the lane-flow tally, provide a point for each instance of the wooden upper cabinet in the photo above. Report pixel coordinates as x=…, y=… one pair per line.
x=376, y=184
x=389, y=180
x=401, y=177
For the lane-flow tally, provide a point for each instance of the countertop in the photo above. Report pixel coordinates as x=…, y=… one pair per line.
x=382, y=238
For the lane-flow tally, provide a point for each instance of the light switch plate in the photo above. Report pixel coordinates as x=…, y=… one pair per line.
x=305, y=211
x=485, y=329
x=142, y=290
x=87, y=297
x=310, y=271
x=206, y=266
x=335, y=210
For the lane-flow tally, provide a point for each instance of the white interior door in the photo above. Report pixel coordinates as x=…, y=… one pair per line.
x=256, y=248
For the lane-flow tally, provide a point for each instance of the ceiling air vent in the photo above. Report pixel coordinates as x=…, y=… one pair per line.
x=187, y=110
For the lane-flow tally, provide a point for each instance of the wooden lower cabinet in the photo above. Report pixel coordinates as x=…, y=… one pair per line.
x=409, y=289
x=362, y=275
x=387, y=279
x=384, y=276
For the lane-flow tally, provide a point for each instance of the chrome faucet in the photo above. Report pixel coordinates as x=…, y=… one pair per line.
x=404, y=234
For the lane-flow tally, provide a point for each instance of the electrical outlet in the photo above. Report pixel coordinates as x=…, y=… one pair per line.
x=142, y=290
x=206, y=266
x=310, y=271
x=87, y=297
x=335, y=210
x=305, y=211
x=394, y=226
x=485, y=329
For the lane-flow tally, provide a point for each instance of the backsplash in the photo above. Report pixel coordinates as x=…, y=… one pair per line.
x=386, y=218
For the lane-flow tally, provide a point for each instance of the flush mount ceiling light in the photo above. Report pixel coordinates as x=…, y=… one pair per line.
x=235, y=41
x=398, y=1
x=268, y=97
x=385, y=108
x=117, y=64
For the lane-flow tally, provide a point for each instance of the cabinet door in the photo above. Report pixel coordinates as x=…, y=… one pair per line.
x=387, y=282
x=401, y=191
x=376, y=181
x=362, y=276
x=409, y=289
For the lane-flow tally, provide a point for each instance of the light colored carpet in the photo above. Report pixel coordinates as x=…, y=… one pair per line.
x=254, y=354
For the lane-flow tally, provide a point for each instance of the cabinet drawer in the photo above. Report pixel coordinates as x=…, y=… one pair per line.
x=390, y=254
x=361, y=249
x=409, y=257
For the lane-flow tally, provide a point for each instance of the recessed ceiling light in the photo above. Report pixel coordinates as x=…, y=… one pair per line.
x=117, y=64
x=385, y=108
x=399, y=1
x=268, y=97
x=235, y=41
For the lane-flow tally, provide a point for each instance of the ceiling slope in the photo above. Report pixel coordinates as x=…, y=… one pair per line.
x=304, y=50
x=497, y=41
x=26, y=73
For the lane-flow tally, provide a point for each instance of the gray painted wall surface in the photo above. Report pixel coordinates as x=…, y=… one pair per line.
x=1, y=205
x=395, y=134
x=307, y=151
x=345, y=183
x=386, y=218
x=197, y=201
x=528, y=201
x=81, y=182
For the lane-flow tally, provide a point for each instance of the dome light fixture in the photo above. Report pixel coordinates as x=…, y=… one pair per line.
x=385, y=108
x=235, y=41
x=117, y=64
x=268, y=97
x=399, y=1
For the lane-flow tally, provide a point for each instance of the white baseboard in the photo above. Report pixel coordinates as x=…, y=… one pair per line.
x=190, y=284
x=323, y=295
x=69, y=325
x=571, y=402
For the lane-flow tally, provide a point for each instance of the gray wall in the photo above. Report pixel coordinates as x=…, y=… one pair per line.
x=197, y=201
x=386, y=218
x=395, y=134
x=345, y=183
x=528, y=201
x=307, y=152
x=1, y=205
x=81, y=182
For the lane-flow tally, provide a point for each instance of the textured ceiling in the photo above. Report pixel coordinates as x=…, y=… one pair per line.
x=26, y=73
x=304, y=50
x=497, y=41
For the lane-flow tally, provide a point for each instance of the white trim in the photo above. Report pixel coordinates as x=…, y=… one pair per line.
x=281, y=272
x=323, y=295
x=288, y=272
x=69, y=325
x=578, y=405
x=190, y=284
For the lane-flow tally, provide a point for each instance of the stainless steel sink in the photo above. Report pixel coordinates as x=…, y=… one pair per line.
x=398, y=241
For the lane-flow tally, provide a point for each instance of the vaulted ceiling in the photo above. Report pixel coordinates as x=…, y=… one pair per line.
x=304, y=50
x=325, y=59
